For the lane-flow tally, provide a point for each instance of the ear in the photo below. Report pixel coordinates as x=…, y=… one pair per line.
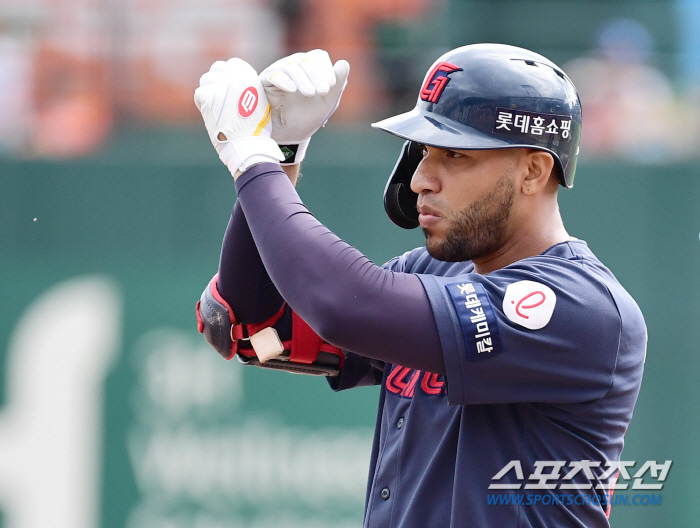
x=540, y=166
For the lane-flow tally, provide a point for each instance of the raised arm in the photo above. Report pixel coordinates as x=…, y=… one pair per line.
x=243, y=280
x=344, y=297
x=347, y=299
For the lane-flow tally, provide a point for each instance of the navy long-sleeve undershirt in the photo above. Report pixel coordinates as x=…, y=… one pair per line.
x=348, y=300
x=243, y=280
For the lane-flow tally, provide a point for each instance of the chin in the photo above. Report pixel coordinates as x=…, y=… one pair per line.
x=438, y=249
x=459, y=249
x=438, y=254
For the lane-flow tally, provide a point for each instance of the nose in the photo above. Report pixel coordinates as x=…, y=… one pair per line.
x=424, y=179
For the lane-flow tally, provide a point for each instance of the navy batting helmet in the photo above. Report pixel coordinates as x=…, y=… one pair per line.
x=485, y=96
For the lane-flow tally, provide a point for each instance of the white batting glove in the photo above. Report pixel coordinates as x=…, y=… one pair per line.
x=304, y=89
x=236, y=113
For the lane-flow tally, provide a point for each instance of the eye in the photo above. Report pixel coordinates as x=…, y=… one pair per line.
x=453, y=154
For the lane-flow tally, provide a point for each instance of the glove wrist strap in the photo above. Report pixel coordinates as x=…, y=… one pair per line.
x=243, y=153
x=294, y=151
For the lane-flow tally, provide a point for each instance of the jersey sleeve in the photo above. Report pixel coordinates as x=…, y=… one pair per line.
x=360, y=371
x=545, y=331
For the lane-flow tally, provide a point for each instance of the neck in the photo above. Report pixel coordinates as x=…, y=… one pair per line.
x=526, y=240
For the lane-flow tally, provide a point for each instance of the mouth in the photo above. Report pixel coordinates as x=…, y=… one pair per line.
x=427, y=216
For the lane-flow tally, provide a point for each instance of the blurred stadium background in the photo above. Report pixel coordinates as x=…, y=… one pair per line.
x=115, y=413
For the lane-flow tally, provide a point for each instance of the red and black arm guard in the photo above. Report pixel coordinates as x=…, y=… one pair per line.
x=304, y=351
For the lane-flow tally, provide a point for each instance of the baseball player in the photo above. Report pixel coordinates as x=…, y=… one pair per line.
x=509, y=357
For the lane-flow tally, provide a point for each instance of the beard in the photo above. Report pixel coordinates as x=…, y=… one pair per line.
x=479, y=229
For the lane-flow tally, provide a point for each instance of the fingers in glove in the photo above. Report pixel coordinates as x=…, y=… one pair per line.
x=299, y=77
x=227, y=71
x=323, y=60
x=311, y=73
x=204, y=95
x=276, y=77
x=342, y=70
x=317, y=76
x=220, y=70
x=239, y=66
x=210, y=78
x=318, y=67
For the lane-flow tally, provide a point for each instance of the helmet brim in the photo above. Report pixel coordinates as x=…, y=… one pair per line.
x=438, y=131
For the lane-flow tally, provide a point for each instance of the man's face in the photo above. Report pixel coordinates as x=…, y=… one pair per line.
x=465, y=200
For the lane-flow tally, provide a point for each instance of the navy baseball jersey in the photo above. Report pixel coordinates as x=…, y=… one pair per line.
x=543, y=362
x=517, y=388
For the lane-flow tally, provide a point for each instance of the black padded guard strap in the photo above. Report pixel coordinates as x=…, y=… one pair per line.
x=399, y=199
x=325, y=365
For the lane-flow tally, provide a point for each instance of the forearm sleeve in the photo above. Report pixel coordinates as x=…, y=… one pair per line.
x=348, y=300
x=243, y=280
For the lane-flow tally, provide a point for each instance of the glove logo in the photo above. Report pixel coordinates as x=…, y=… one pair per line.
x=436, y=81
x=248, y=102
x=529, y=304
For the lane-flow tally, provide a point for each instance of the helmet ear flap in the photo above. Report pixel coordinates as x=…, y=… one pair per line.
x=399, y=200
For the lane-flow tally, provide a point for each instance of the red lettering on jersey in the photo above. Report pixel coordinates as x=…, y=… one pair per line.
x=411, y=387
x=395, y=381
x=403, y=381
x=431, y=385
x=436, y=81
